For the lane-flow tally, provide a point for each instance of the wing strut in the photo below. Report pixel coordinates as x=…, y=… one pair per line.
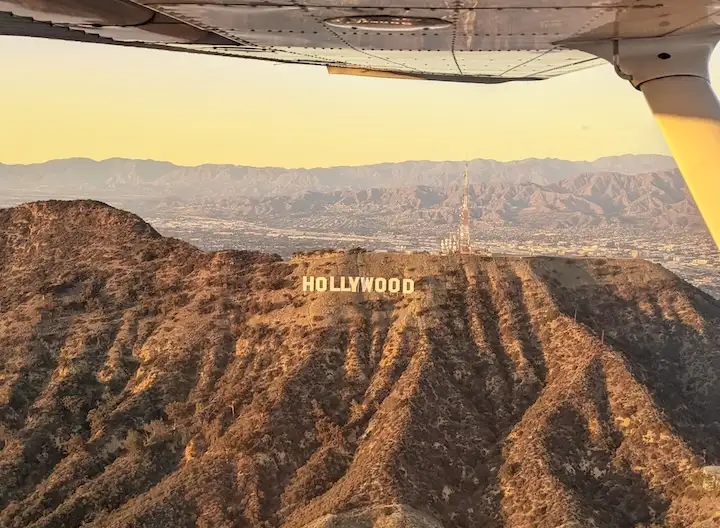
x=673, y=75
x=688, y=112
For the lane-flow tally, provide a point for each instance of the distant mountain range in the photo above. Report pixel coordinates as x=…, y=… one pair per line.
x=125, y=178
x=656, y=199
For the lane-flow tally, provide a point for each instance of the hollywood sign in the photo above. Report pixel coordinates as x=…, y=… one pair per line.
x=357, y=284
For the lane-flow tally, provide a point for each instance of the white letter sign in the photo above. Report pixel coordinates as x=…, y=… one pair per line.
x=358, y=284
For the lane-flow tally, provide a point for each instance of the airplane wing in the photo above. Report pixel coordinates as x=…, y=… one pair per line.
x=482, y=41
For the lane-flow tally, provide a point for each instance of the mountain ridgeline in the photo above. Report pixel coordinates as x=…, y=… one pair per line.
x=146, y=383
x=631, y=190
x=147, y=178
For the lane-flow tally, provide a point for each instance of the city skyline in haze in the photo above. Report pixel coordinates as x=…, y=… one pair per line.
x=65, y=100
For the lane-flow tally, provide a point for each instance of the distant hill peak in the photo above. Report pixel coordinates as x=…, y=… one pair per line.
x=78, y=214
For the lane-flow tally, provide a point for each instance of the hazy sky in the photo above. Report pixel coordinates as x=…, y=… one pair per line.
x=60, y=100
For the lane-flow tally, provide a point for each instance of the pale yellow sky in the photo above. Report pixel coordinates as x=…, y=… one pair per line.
x=60, y=100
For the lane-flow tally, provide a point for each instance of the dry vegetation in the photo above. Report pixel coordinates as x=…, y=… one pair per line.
x=145, y=383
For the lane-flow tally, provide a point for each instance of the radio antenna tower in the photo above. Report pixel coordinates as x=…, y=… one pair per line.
x=464, y=244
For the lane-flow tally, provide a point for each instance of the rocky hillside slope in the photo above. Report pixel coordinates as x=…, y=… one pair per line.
x=145, y=383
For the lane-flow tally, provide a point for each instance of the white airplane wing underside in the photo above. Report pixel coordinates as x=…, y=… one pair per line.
x=458, y=40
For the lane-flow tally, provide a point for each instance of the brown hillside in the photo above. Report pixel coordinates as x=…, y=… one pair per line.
x=145, y=383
